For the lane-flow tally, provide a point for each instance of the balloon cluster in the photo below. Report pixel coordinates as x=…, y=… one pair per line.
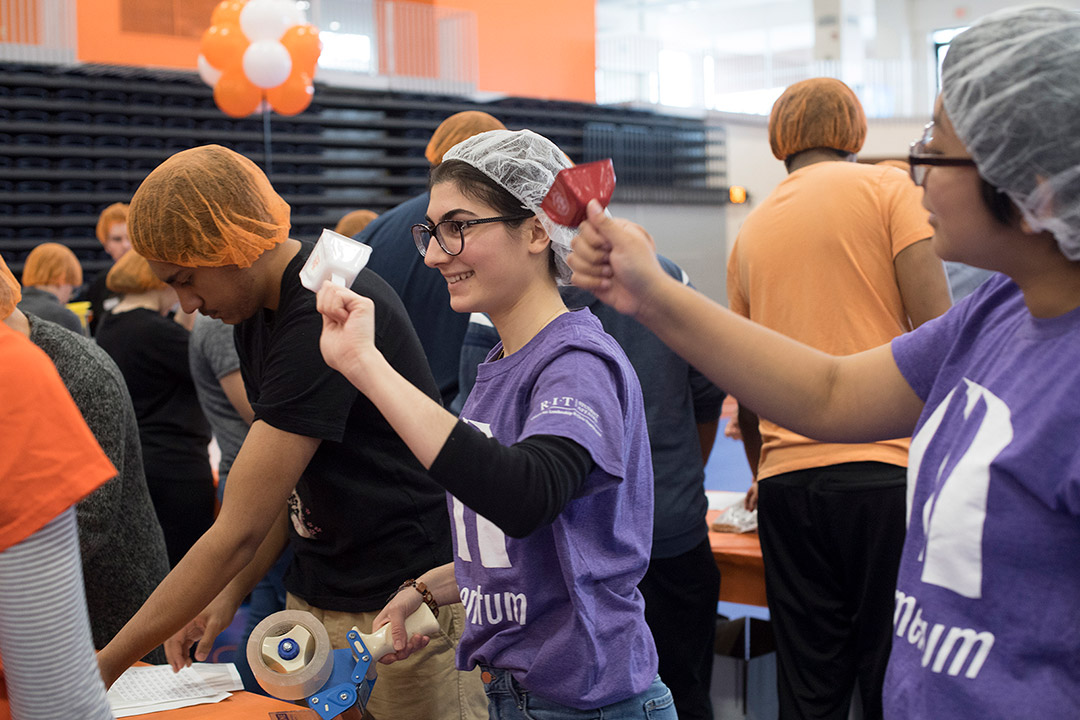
x=256, y=50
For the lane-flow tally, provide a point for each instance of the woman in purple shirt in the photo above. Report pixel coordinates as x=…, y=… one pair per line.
x=548, y=474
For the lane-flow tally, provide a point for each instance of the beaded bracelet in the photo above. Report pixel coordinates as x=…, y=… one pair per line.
x=425, y=594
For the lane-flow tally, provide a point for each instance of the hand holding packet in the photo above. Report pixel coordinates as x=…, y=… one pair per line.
x=574, y=187
x=336, y=258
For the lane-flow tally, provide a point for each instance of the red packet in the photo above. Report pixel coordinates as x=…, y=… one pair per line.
x=574, y=187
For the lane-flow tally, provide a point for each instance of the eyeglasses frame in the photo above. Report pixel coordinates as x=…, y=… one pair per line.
x=433, y=232
x=920, y=162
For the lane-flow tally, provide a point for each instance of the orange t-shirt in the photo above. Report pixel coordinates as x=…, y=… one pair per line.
x=49, y=459
x=815, y=262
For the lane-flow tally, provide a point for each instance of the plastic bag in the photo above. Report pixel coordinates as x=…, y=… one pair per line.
x=735, y=519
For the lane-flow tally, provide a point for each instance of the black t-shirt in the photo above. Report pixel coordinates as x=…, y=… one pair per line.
x=365, y=514
x=152, y=353
x=101, y=299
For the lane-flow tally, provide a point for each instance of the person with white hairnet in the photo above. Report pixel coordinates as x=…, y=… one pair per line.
x=985, y=623
x=547, y=473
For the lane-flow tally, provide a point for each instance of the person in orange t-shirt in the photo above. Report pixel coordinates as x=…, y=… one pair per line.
x=837, y=257
x=49, y=460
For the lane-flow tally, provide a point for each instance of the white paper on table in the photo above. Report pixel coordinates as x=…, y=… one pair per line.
x=152, y=689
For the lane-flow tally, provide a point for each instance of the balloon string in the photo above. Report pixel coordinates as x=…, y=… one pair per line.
x=269, y=161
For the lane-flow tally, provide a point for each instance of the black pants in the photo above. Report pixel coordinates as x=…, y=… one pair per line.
x=680, y=608
x=831, y=540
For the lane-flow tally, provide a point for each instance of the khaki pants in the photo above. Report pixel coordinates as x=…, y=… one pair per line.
x=427, y=685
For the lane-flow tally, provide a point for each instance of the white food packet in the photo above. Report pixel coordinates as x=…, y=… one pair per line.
x=336, y=258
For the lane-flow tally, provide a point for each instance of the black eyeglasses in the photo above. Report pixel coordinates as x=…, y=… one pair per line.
x=921, y=161
x=450, y=234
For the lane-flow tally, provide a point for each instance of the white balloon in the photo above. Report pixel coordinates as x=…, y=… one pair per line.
x=209, y=74
x=267, y=19
x=294, y=13
x=267, y=63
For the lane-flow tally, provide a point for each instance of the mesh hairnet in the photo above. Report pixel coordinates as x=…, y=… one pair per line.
x=10, y=292
x=52, y=264
x=207, y=207
x=354, y=222
x=459, y=126
x=115, y=213
x=1011, y=87
x=524, y=164
x=816, y=113
x=132, y=274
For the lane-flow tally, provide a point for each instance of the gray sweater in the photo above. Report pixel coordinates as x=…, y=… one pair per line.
x=122, y=547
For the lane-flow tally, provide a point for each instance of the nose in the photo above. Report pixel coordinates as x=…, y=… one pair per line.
x=435, y=255
x=189, y=301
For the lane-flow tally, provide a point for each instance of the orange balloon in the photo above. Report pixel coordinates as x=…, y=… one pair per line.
x=304, y=46
x=292, y=96
x=223, y=46
x=227, y=12
x=236, y=95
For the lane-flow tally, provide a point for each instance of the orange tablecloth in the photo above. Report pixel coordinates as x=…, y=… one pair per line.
x=241, y=706
x=742, y=572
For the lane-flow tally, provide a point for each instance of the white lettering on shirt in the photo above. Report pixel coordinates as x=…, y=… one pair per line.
x=570, y=407
x=490, y=539
x=492, y=608
x=954, y=513
x=910, y=626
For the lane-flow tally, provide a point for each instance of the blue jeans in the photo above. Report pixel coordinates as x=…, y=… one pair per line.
x=507, y=700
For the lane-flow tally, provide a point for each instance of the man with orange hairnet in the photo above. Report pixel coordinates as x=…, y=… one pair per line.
x=422, y=288
x=50, y=276
x=838, y=257
x=112, y=233
x=320, y=468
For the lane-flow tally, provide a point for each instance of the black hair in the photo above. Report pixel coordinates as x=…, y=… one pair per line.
x=998, y=203
x=478, y=186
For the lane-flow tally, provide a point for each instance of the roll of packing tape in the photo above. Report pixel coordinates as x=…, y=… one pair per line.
x=290, y=654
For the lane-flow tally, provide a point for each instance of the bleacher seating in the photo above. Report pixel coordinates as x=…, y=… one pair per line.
x=76, y=139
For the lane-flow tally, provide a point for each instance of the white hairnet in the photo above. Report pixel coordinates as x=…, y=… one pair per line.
x=525, y=165
x=1011, y=86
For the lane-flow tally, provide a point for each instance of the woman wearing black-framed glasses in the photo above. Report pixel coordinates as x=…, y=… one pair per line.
x=989, y=390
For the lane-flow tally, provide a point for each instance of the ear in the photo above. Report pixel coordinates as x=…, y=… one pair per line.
x=537, y=236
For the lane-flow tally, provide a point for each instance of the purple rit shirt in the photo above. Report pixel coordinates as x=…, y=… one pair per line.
x=560, y=609
x=987, y=620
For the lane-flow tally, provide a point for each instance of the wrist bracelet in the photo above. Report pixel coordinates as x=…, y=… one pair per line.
x=425, y=594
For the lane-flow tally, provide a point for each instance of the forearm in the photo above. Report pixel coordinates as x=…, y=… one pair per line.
x=442, y=584
x=707, y=438
x=421, y=422
x=268, y=553
x=751, y=437
x=828, y=398
x=519, y=488
x=202, y=573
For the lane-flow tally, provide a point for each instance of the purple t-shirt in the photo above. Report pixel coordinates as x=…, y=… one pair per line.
x=987, y=620
x=560, y=608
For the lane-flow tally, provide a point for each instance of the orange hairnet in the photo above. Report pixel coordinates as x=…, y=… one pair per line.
x=207, y=207
x=132, y=274
x=816, y=113
x=459, y=126
x=354, y=222
x=52, y=264
x=115, y=213
x=10, y=292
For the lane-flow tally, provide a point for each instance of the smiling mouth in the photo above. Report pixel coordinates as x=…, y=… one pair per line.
x=454, y=279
